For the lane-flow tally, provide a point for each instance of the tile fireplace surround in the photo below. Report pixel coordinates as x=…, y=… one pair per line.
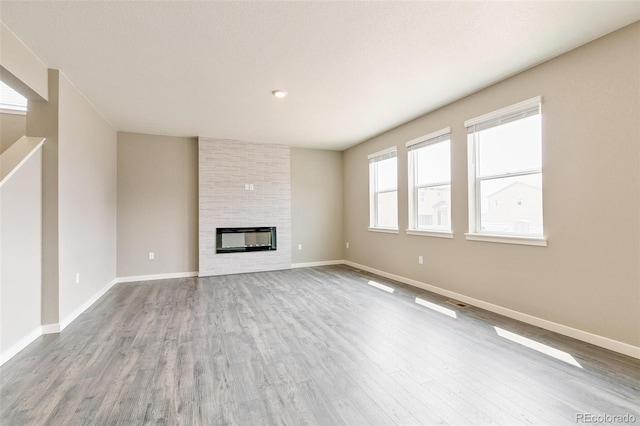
x=228, y=170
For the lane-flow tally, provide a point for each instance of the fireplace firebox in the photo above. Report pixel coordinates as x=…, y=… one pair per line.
x=234, y=240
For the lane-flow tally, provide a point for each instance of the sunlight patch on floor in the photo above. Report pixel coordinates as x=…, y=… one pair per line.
x=381, y=286
x=540, y=347
x=449, y=312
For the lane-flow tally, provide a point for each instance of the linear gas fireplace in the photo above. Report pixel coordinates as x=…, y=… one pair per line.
x=233, y=240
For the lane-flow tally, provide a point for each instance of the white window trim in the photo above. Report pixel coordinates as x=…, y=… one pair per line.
x=383, y=152
x=529, y=103
x=507, y=239
x=423, y=233
x=373, y=195
x=432, y=135
x=13, y=111
x=413, y=188
x=384, y=230
x=474, y=180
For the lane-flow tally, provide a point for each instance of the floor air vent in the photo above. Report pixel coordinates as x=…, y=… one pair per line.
x=457, y=303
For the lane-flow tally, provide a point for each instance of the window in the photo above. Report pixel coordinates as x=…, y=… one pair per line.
x=11, y=102
x=430, y=183
x=383, y=190
x=505, y=174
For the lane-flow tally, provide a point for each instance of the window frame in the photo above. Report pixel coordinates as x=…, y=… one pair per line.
x=475, y=179
x=440, y=136
x=391, y=152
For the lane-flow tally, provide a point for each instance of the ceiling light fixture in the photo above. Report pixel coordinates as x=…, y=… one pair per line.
x=279, y=93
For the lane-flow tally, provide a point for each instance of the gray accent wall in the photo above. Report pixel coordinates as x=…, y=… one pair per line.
x=225, y=167
x=157, y=204
x=588, y=277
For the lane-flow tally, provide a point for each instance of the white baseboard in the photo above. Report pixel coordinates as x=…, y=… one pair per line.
x=312, y=264
x=5, y=355
x=156, y=277
x=585, y=336
x=51, y=328
x=13, y=350
x=86, y=305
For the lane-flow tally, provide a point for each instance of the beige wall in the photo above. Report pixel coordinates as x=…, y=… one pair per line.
x=316, y=205
x=588, y=277
x=78, y=186
x=87, y=200
x=157, y=204
x=12, y=128
x=20, y=68
x=20, y=256
x=42, y=120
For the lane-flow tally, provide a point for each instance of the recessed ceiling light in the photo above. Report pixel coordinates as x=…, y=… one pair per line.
x=279, y=93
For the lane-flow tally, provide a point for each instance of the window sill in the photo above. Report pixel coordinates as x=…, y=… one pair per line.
x=437, y=234
x=507, y=239
x=12, y=111
x=384, y=230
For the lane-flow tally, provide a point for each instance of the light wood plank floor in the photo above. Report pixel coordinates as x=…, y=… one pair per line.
x=306, y=346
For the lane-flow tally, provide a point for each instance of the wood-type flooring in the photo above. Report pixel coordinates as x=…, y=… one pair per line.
x=315, y=346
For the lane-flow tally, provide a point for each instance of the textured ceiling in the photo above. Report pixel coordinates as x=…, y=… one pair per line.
x=352, y=69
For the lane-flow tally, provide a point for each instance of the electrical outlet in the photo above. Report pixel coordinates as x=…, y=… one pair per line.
x=152, y=255
x=347, y=245
x=77, y=277
x=299, y=246
x=250, y=187
x=420, y=260
x=246, y=186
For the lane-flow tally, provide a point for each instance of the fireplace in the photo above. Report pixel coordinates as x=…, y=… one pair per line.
x=234, y=240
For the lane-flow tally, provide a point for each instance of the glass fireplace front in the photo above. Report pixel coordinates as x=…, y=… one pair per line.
x=233, y=240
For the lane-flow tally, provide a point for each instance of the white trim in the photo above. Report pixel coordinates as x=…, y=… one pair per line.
x=504, y=111
x=14, y=349
x=507, y=239
x=23, y=161
x=321, y=263
x=384, y=230
x=51, y=328
x=86, y=305
x=585, y=336
x=13, y=111
x=384, y=151
x=471, y=183
x=136, y=278
x=424, y=233
x=432, y=135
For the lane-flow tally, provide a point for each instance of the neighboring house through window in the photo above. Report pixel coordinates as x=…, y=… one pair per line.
x=505, y=172
x=383, y=190
x=430, y=182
